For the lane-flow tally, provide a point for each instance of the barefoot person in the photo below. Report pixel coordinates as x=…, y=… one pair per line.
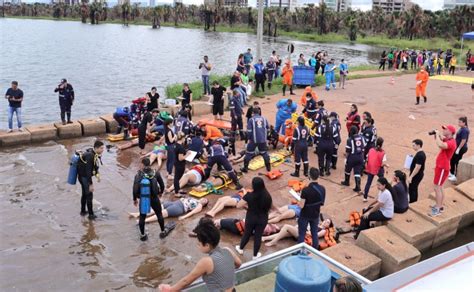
x=182, y=208
x=147, y=186
x=225, y=202
x=284, y=212
x=292, y=231
x=192, y=177
x=217, y=269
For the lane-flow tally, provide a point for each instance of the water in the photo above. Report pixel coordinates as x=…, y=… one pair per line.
x=109, y=64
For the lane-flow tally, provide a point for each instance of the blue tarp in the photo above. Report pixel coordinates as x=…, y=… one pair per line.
x=468, y=35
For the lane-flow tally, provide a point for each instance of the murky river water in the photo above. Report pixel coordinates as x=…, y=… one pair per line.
x=110, y=64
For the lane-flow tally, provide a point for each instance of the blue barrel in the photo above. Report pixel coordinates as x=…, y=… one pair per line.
x=72, y=176
x=303, y=274
x=303, y=75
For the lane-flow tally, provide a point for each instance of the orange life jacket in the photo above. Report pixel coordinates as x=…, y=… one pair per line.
x=297, y=185
x=274, y=174
x=354, y=219
x=240, y=226
x=329, y=239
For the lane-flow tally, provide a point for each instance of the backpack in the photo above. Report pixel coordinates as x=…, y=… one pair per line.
x=145, y=192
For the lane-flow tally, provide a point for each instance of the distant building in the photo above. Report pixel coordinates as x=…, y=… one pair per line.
x=450, y=4
x=392, y=5
x=290, y=4
x=343, y=5
x=152, y=3
x=236, y=3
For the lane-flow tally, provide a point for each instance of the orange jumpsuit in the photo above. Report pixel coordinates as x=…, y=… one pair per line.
x=212, y=133
x=306, y=91
x=288, y=138
x=287, y=74
x=421, y=87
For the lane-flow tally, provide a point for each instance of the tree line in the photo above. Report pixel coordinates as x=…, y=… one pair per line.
x=413, y=23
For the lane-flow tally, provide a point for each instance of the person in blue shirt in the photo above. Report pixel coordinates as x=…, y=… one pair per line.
x=257, y=131
x=329, y=73
x=462, y=137
x=286, y=107
x=123, y=117
x=312, y=61
x=217, y=155
x=236, y=112
x=343, y=72
x=259, y=75
x=248, y=59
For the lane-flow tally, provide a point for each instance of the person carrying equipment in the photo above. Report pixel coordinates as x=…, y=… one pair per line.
x=287, y=74
x=307, y=90
x=285, y=107
x=310, y=107
x=217, y=155
x=147, y=186
x=325, y=138
x=354, y=157
x=334, y=119
x=123, y=117
x=421, y=81
x=88, y=166
x=257, y=131
x=300, y=143
x=66, y=99
x=236, y=112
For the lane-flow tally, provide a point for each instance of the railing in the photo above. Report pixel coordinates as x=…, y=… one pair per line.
x=267, y=264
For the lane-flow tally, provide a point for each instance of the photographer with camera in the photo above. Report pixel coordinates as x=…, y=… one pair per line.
x=447, y=146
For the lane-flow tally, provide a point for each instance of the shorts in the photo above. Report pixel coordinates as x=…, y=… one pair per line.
x=158, y=151
x=218, y=108
x=198, y=176
x=236, y=197
x=174, y=209
x=295, y=208
x=440, y=176
x=228, y=224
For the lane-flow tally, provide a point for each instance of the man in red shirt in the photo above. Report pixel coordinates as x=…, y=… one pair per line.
x=447, y=146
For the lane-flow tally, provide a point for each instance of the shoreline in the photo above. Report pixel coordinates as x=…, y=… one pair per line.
x=374, y=40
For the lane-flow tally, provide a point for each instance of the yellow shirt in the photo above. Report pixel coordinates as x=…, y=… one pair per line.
x=452, y=62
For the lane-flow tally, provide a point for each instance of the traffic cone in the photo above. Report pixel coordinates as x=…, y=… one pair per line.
x=392, y=81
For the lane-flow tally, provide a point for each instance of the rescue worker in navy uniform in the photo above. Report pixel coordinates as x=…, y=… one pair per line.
x=300, y=146
x=236, y=112
x=354, y=157
x=217, y=155
x=182, y=123
x=320, y=113
x=87, y=167
x=310, y=107
x=147, y=186
x=334, y=119
x=370, y=135
x=257, y=131
x=326, y=137
x=66, y=99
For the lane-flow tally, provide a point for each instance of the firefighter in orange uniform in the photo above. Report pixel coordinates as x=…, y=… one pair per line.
x=421, y=82
x=287, y=74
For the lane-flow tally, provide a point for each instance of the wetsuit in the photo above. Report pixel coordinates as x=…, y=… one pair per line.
x=300, y=142
x=326, y=137
x=355, y=159
x=156, y=188
x=66, y=98
x=217, y=155
x=257, y=131
x=87, y=166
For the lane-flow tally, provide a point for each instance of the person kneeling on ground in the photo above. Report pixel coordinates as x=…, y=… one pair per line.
x=380, y=209
x=217, y=269
x=292, y=231
x=147, y=186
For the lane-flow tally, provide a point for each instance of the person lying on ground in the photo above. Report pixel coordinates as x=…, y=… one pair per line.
x=158, y=154
x=284, y=212
x=182, y=208
x=213, y=182
x=223, y=202
x=292, y=231
x=217, y=269
x=237, y=158
x=192, y=177
x=237, y=226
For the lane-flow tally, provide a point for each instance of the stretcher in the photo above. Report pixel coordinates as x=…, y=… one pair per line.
x=212, y=189
x=118, y=137
x=308, y=123
x=276, y=158
x=460, y=79
x=220, y=124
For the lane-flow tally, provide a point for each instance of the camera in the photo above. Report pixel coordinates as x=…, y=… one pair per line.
x=432, y=133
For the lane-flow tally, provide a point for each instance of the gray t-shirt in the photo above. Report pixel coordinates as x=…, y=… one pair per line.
x=385, y=198
x=204, y=69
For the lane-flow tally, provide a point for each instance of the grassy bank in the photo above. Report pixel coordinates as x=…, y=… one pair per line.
x=356, y=72
x=376, y=40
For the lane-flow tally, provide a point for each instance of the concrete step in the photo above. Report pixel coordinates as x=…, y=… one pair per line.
x=14, y=138
x=462, y=204
x=465, y=169
x=40, y=133
x=467, y=189
x=91, y=127
x=111, y=124
x=67, y=131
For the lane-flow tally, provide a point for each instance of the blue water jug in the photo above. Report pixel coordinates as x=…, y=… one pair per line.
x=145, y=191
x=302, y=273
x=72, y=176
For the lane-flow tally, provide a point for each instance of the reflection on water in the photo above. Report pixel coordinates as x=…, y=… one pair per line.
x=89, y=248
x=151, y=272
x=109, y=64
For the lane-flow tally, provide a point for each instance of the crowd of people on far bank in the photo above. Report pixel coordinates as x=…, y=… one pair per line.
x=436, y=62
x=178, y=137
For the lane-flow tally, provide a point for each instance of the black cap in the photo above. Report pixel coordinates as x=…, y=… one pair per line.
x=64, y=80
